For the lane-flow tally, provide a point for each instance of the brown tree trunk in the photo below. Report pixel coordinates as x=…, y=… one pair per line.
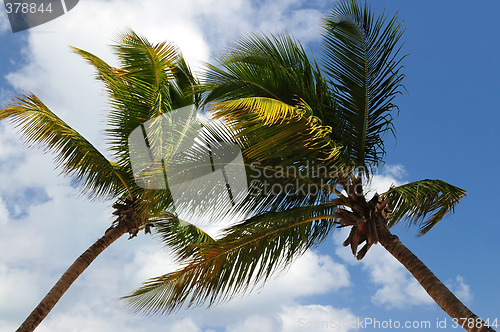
x=71, y=274
x=432, y=285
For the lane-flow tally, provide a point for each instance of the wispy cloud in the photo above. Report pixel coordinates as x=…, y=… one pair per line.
x=4, y=20
x=255, y=323
x=397, y=288
x=389, y=175
x=316, y=318
x=461, y=289
x=4, y=213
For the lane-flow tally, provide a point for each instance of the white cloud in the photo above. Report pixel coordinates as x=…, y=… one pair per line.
x=317, y=318
x=255, y=323
x=389, y=175
x=185, y=325
x=461, y=289
x=316, y=274
x=4, y=97
x=227, y=19
x=4, y=20
x=4, y=213
x=6, y=326
x=82, y=318
x=299, y=318
x=17, y=289
x=398, y=288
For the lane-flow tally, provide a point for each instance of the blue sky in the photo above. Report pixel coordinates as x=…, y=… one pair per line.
x=447, y=128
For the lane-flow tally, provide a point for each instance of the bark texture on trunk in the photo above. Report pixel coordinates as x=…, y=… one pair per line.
x=71, y=274
x=433, y=286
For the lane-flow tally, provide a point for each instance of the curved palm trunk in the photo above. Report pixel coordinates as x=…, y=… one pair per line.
x=67, y=279
x=433, y=286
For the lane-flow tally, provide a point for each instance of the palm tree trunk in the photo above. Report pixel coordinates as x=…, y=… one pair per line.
x=433, y=286
x=67, y=279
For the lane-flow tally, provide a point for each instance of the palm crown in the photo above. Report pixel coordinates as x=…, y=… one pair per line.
x=288, y=111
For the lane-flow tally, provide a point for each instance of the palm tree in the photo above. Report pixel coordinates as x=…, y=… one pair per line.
x=317, y=124
x=152, y=80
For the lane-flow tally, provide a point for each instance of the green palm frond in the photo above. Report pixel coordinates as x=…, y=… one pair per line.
x=180, y=236
x=274, y=100
x=275, y=67
x=97, y=176
x=423, y=203
x=284, y=168
x=153, y=79
x=273, y=77
x=144, y=62
x=304, y=137
x=361, y=57
x=272, y=111
x=272, y=183
x=248, y=253
x=157, y=73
